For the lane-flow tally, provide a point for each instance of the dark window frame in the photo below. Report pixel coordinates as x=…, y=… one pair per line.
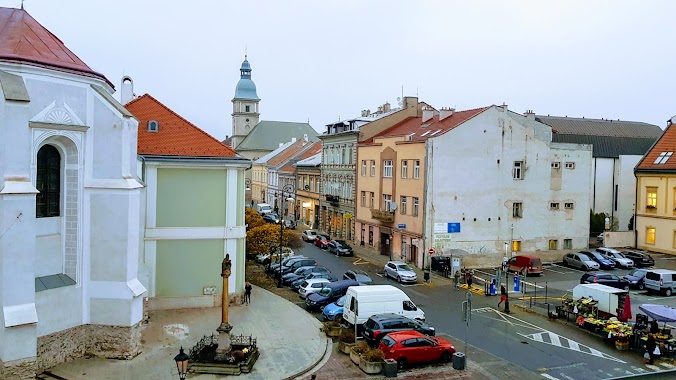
x=48, y=182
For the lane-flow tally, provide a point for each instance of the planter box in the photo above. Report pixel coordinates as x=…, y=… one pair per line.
x=371, y=368
x=332, y=332
x=345, y=348
x=356, y=358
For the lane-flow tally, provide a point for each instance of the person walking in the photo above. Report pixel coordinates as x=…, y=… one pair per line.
x=503, y=294
x=650, y=350
x=469, y=279
x=247, y=292
x=456, y=279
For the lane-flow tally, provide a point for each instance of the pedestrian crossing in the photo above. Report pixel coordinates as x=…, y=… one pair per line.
x=553, y=339
x=556, y=374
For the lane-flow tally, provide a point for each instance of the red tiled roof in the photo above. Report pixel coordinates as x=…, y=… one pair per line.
x=24, y=40
x=176, y=136
x=311, y=151
x=666, y=143
x=421, y=131
x=288, y=153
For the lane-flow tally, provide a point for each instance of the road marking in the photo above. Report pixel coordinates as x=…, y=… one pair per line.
x=549, y=376
x=565, y=376
x=666, y=258
x=638, y=369
x=569, y=268
x=360, y=261
x=556, y=271
x=653, y=367
x=666, y=365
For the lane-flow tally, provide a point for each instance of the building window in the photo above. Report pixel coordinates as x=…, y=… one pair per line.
x=553, y=245
x=373, y=168
x=569, y=205
x=567, y=243
x=517, y=210
x=516, y=246
x=570, y=165
x=663, y=158
x=48, y=182
x=517, y=170
x=556, y=165
x=363, y=168
x=416, y=169
x=651, y=199
x=247, y=108
x=153, y=126
x=387, y=169
x=403, y=205
x=650, y=235
x=387, y=202
x=404, y=169
x=416, y=205
x=363, y=198
x=553, y=206
x=373, y=196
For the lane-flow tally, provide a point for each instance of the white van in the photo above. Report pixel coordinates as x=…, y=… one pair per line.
x=361, y=302
x=263, y=208
x=660, y=280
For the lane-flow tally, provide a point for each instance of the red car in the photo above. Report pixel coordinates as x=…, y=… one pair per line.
x=408, y=347
x=322, y=241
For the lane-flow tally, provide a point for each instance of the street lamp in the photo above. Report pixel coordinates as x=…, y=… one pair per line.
x=247, y=187
x=288, y=189
x=182, y=364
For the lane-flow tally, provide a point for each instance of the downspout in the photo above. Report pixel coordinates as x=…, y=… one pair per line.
x=428, y=192
x=594, y=187
x=635, y=209
x=612, y=205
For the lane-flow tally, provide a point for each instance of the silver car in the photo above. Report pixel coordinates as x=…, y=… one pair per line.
x=580, y=261
x=311, y=286
x=616, y=256
x=400, y=271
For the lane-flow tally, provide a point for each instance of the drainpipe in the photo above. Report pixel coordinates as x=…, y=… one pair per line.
x=612, y=205
x=428, y=193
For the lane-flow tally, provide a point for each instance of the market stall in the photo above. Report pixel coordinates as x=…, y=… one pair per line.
x=662, y=337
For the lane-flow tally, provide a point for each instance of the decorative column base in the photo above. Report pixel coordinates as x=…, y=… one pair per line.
x=224, y=343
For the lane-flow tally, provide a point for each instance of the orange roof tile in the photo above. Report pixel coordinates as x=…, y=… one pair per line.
x=176, y=136
x=288, y=153
x=315, y=148
x=24, y=40
x=665, y=144
x=420, y=131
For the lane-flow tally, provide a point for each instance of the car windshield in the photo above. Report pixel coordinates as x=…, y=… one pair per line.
x=616, y=255
x=325, y=292
x=597, y=255
x=404, y=267
x=389, y=342
x=341, y=243
x=363, y=278
x=341, y=301
x=638, y=273
x=304, y=284
x=584, y=257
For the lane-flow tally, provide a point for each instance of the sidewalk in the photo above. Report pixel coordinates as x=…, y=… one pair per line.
x=289, y=340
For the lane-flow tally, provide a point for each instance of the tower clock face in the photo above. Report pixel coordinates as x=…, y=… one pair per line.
x=247, y=120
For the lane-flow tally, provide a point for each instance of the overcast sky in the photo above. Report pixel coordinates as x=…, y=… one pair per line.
x=325, y=60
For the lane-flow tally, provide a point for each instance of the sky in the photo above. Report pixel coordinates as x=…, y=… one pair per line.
x=323, y=61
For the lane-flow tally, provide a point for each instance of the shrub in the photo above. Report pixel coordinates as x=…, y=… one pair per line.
x=360, y=348
x=373, y=355
x=330, y=325
x=346, y=336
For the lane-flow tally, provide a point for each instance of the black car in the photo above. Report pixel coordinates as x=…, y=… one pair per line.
x=271, y=217
x=380, y=325
x=357, y=275
x=301, y=272
x=327, y=275
x=636, y=278
x=640, y=258
x=607, y=279
x=604, y=262
x=340, y=248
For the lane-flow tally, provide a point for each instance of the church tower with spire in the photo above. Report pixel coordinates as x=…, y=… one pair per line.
x=245, y=111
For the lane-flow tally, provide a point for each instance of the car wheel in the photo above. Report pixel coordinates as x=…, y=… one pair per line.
x=626, y=288
x=401, y=363
x=445, y=357
x=667, y=292
x=524, y=272
x=399, y=279
x=338, y=318
x=641, y=286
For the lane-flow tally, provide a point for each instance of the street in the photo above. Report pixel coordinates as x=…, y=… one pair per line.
x=549, y=349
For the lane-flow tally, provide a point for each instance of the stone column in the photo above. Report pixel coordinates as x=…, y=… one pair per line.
x=224, y=344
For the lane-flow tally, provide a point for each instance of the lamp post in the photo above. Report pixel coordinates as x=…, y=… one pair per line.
x=288, y=189
x=247, y=188
x=181, y=364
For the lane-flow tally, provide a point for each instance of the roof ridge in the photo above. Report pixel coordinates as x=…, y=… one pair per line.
x=185, y=120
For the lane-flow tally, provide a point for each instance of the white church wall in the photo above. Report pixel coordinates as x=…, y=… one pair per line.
x=107, y=148
x=107, y=250
x=59, y=309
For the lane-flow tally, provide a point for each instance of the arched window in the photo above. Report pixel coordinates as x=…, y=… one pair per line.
x=48, y=182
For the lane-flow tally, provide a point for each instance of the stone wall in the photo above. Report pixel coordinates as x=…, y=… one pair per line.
x=110, y=342
x=23, y=369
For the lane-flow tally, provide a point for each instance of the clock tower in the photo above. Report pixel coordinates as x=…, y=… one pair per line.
x=245, y=111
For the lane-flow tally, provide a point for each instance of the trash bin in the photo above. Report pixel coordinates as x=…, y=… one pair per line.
x=390, y=368
x=459, y=360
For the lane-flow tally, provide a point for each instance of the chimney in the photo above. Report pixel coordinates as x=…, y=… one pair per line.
x=446, y=112
x=503, y=107
x=293, y=139
x=410, y=101
x=530, y=115
x=126, y=90
x=428, y=114
x=305, y=137
x=386, y=107
x=364, y=113
x=380, y=109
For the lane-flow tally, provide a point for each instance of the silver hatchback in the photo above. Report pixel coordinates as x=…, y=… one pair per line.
x=400, y=271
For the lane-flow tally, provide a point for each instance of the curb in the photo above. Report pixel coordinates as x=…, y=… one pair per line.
x=327, y=353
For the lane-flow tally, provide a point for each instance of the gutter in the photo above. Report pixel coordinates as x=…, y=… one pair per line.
x=211, y=160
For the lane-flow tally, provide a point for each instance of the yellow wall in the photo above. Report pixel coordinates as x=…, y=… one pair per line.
x=662, y=219
x=259, y=183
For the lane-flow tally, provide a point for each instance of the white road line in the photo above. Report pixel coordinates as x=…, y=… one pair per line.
x=638, y=369
x=548, y=376
x=555, y=271
x=666, y=365
x=666, y=258
x=565, y=376
x=653, y=367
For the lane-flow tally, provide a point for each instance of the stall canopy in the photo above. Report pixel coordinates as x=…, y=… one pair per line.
x=659, y=312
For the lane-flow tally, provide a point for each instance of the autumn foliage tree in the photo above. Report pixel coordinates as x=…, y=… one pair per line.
x=263, y=238
x=253, y=219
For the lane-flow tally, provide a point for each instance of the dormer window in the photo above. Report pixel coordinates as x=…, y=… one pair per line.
x=153, y=126
x=663, y=158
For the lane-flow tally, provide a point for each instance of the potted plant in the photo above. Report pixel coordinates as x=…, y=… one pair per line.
x=346, y=341
x=372, y=361
x=332, y=328
x=357, y=350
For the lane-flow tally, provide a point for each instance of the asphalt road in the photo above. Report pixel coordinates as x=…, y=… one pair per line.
x=551, y=350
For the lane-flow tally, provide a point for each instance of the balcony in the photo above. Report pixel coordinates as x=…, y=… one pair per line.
x=383, y=216
x=334, y=200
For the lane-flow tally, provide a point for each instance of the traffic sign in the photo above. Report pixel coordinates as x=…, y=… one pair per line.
x=431, y=251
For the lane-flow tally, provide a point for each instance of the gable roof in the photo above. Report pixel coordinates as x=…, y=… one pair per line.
x=266, y=135
x=312, y=161
x=306, y=151
x=610, y=138
x=291, y=152
x=176, y=136
x=421, y=131
x=24, y=40
x=263, y=160
x=665, y=144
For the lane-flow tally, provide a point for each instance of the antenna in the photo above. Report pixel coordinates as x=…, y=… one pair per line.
x=245, y=52
x=22, y=4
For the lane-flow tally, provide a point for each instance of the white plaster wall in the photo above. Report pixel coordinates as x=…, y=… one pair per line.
x=471, y=178
x=627, y=190
x=59, y=309
x=48, y=246
x=602, y=189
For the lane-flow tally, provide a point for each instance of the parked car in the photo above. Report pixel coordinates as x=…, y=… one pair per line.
x=400, y=271
x=271, y=217
x=288, y=278
x=293, y=265
x=616, y=256
x=357, y=275
x=308, y=236
x=661, y=280
x=334, y=311
x=380, y=325
x=263, y=258
x=296, y=284
x=311, y=286
x=526, y=265
x=275, y=266
x=636, y=278
x=364, y=301
x=607, y=279
x=340, y=248
x=581, y=261
x=290, y=224
x=322, y=241
x=408, y=347
x=329, y=293
x=604, y=262
x=641, y=259
x=600, y=237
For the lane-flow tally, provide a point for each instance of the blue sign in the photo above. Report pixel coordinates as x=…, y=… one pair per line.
x=517, y=283
x=401, y=226
x=453, y=228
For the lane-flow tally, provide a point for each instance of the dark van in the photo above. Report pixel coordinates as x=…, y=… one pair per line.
x=329, y=293
x=526, y=265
